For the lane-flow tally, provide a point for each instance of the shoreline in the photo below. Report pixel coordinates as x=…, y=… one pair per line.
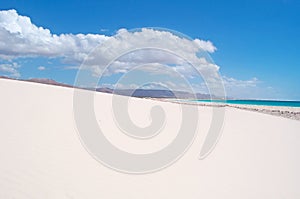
x=281, y=111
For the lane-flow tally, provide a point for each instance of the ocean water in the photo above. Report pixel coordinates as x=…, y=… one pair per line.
x=256, y=102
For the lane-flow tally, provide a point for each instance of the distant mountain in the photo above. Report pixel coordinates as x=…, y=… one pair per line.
x=151, y=93
x=4, y=77
x=104, y=90
x=48, y=81
x=157, y=93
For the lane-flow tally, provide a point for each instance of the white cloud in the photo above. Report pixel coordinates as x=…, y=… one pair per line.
x=19, y=37
x=154, y=47
x=41, y=68
x=232, y=82
x=250, y=88
x=10, y=69
x=206, y=45
x=154, y=50
x=71, y=67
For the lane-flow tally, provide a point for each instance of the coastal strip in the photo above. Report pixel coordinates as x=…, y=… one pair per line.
x=282, y=111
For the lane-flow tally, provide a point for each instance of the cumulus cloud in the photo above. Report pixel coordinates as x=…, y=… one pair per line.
x=19, y=37
x=129, y=50
x=207, y=45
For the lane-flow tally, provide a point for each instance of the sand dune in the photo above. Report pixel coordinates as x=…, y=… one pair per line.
x=41, y=155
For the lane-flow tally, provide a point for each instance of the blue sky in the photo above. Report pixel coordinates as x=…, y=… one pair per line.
x=256, y=40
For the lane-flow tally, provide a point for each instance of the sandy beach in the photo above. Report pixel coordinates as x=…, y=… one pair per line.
x=41, y=155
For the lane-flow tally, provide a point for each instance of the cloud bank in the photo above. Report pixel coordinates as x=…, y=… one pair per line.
x=20, y=38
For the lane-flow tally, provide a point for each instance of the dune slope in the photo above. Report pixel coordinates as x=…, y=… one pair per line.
x=41, y=156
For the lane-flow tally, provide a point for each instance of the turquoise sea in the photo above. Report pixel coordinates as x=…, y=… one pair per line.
x=256, y=102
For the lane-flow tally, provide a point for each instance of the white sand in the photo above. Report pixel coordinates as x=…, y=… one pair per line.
x=258, y=155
